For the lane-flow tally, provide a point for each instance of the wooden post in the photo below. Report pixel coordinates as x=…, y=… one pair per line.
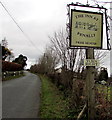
x=90, y=86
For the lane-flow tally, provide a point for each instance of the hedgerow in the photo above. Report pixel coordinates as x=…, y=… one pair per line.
x=10, y=66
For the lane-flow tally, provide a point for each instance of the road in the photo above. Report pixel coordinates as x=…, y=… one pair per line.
x=21, y=97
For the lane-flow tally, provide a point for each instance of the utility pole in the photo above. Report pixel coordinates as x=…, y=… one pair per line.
x=90, y=93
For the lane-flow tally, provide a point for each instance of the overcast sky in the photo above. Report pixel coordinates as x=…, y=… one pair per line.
x=38, y=19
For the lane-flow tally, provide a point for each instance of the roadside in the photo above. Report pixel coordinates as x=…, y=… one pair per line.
x=53, y=103
x=12, y=76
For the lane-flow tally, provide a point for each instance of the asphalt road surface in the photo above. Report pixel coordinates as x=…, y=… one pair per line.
x=21, y=97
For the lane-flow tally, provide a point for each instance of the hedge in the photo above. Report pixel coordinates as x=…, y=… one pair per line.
x=10, y=66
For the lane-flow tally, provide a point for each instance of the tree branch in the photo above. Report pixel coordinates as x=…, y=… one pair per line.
x=82, y=112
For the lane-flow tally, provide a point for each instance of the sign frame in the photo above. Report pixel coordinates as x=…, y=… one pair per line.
x=71, y=30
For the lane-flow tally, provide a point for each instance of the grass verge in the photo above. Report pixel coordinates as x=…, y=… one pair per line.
x=53, y=104
x=12, y=77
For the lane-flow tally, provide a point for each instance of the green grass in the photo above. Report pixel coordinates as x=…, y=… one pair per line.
x=53, y=104
x=13, y=77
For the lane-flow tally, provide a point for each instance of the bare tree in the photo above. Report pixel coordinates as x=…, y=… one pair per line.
x=60, y=45
x=101, y=55
x=70, y=59
x=47, y=62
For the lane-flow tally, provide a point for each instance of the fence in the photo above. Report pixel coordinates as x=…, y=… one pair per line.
x=12, y=73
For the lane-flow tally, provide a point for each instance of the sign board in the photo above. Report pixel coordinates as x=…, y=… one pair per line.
x=86, y=29
x=91, y=62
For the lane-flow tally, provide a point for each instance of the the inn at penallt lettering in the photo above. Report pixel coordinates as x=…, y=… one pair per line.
x=86, y=28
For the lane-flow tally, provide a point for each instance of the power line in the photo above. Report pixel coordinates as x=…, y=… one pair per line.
x=19, y=26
